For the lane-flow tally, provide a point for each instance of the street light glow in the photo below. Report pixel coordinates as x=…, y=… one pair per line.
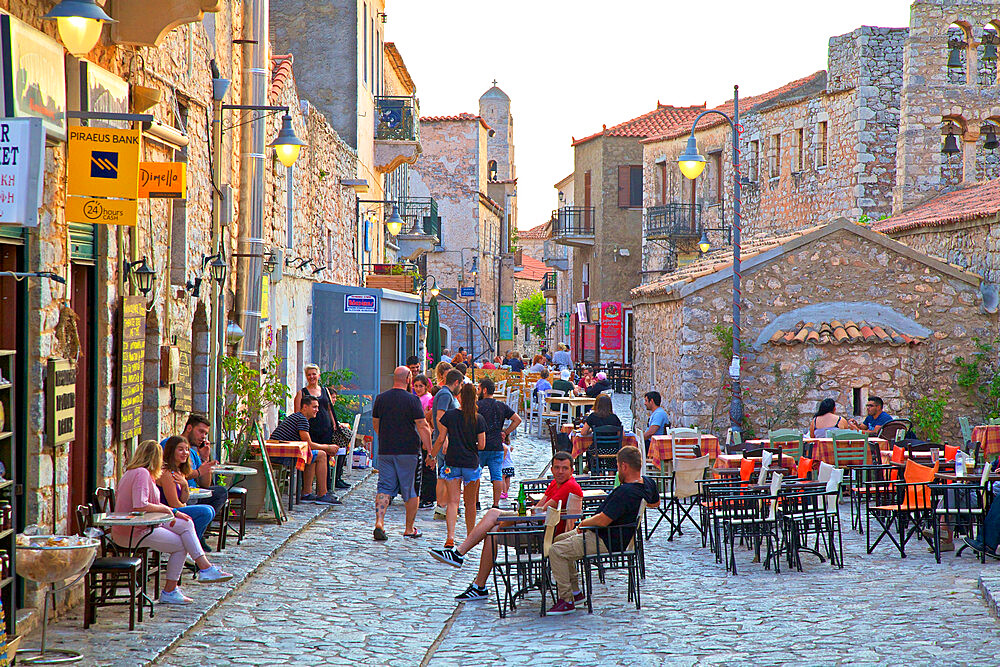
x=79, y=23
x=691, y=162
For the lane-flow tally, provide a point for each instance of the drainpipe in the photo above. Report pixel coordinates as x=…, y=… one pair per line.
x=250, y=244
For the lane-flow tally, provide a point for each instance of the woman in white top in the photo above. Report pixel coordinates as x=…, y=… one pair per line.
x=825, y=419
x=562, y=358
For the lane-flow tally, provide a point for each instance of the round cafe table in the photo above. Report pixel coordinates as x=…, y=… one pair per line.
x=199, y=494
x=132, y=521
x=227, y=469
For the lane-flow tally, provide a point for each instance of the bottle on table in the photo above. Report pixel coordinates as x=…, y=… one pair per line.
x=522, y=500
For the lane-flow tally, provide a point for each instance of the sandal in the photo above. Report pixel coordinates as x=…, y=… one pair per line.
x=449, y=544
x=379, y=535
x=415, y=534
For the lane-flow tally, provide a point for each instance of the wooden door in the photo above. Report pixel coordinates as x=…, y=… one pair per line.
x=82, y=452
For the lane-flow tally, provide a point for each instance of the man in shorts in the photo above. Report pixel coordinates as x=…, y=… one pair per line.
x=399, y=422
x=444, y=400
x=295, y=428
x=559, y=490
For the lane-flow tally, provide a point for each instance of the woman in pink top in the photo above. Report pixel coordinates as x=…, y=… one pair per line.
x=137, y=492
x=422, y=388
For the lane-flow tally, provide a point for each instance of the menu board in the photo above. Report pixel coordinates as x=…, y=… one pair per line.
x=182, y=388
x=133, y=356
x=60, y=385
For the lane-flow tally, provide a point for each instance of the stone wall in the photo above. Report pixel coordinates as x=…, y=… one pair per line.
x=973, y=245
x=852, y=277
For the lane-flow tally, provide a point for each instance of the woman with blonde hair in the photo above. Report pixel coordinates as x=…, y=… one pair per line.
x=440, y=371
x=136, y=492
x=562, y=358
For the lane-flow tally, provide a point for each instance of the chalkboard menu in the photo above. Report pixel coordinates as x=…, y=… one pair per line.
x=133, y=356
x=182, y=389
x=60, y=401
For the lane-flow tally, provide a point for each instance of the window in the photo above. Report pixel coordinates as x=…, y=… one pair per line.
x=774, y=156
x=821, y=143
x=753, y=155
x=715, y=160
x=630, y=186
x=329, y=248
x=800, y=149
x=585, y=280
x=364, y=49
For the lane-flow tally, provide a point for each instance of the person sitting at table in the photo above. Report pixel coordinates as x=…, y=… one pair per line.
x=515, y=363
x=137, y=492
x=295, y=427
x=658, y=420
x=826, y=418
x=538, y=364
x=459, y=357
x=602, y=415
x=559, y=490
x=586, y=379
x=173, y=486
x=542, y=384
x=562, y=358
x=600, y=385
x=202, y=464
x=620, y=508
x=563, y=384
x=876, y=418
x=989, y=537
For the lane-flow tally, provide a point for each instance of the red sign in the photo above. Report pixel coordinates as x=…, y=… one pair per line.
x=611, y=325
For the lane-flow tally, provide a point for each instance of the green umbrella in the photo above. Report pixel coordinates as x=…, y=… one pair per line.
x=433, y=331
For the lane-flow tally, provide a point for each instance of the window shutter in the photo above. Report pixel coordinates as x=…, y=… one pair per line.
x=635, y=186
x=624, y=183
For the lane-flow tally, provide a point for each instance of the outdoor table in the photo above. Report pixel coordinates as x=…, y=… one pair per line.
x=730, y=461
x=133, y=521
x=822, y=448
x=989, y=437
x=661, y=448
x=588, y=494
x=577, y=403
x=968, y=477
x=242, y=471
x=198, y=493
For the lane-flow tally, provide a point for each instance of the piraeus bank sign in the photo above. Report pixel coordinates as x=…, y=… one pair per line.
x=103, y=180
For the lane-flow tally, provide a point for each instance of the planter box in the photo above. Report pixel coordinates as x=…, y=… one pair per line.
x=398, y=283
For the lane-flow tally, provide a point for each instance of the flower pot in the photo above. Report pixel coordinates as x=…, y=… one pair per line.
x=256, y=486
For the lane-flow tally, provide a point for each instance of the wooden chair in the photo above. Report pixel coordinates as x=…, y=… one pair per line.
x=993, y=421
x=785, y=438
x=107, y=574
x=895, y=430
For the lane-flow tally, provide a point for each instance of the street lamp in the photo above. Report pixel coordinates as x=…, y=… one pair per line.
x=691, y=164
x=394, y=224
x=286, y=144
x=434, y=289
x=79, y=23
x=141, y=275
x=216, y=267
x=704, y=243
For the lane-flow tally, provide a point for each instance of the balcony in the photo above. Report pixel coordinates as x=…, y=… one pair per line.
x=549, y=285
x=673, y=222
x=574, y=226
x=397, y=132
x=555, y=255
x=402, y=277
x=421, y=229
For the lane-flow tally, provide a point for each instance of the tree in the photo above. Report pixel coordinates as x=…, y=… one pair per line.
x=531, y=313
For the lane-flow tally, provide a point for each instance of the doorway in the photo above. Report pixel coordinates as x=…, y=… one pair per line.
x=388, y=354
x=82, y=454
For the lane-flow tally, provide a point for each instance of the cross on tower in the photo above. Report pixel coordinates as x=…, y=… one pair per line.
x=494, y=83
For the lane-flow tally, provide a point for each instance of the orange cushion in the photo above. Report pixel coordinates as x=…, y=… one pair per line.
x=805, y=467
x=746, y=469
x=950, y=452
x=915, y=473
x=898, y=453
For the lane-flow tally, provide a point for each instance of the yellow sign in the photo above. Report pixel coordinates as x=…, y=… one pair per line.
x=265, y=298
x=103, y=162
x=162, y=180
x=102, y=211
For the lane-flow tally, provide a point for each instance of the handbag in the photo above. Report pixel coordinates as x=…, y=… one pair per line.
x=340, y=436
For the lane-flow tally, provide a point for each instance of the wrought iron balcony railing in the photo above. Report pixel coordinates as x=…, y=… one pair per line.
x=396, y=118
x=673, y=221
x=549, y=282
x=573, y=221
x=420, y=215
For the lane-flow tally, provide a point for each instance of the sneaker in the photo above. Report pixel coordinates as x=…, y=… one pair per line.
x=309, y=497
x=341, y=484
x=561, y=608
x=427, y=504
x=979, y=547
x=328, y=499
x=503, y=495
x=212, y=574
x=579, y=596
x=447, y=556
x=472, y=593
x=174, y=597
x=440, y=513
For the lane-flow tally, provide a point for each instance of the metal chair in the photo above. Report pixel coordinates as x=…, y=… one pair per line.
x=607, y=442
x=623, y=553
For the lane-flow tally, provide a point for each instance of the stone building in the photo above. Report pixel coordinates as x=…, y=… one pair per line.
x=528, y=278
x=871, y=315
x=604, y=226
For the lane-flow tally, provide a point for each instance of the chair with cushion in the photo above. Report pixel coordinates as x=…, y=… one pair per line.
x=966, y=427
x=789, y=440
x=108, y=574
x=962, y=506
x=734, y=441
x=682, y=493
x=849, y=451
x=607, y=442
x=901, y=505
x=237, y=512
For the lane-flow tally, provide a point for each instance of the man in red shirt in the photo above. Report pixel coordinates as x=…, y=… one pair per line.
x=562, y=486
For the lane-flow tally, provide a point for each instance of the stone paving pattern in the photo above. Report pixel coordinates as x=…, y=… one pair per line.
x=333, y=596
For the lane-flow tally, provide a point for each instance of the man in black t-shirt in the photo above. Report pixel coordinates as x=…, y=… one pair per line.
x=399, y=421
x=496, y=414
x=295, y=428
x=620, y=508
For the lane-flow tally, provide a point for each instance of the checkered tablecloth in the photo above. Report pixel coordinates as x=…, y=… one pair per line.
x=823, y=449
x=661, y=448
x=989, y=436
x=295, y=450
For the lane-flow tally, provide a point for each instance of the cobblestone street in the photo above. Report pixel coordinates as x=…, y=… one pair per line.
x=332, y=596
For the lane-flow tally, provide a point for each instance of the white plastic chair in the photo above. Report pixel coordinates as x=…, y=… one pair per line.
x=514, y=402
x=684, y=450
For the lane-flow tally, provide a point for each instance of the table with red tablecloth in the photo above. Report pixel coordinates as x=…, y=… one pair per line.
x=582, y=442
x=661, y=447
x=989, y=437
x=823, y=449
x=293, y=450
x=733, y=461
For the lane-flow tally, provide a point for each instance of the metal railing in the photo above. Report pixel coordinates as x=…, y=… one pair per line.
x=549, y=281
x=396, y=118
x=573, y=221
x=673, y=221
x=421, y=216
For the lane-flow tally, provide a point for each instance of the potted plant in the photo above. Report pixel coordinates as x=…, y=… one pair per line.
x=249, y=393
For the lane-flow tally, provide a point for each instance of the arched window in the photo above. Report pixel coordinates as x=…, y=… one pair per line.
x=987, y=52
x=491, y=167
x=958, y=57
x=952, y=129
x=988, y=150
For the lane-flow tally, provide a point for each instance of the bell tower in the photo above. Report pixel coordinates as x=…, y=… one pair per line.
x=494, y=107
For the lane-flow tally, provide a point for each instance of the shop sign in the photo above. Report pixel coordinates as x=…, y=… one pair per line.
x=360, y=303
x=105, y=93
x=102, y=211
x=103, y=162
x=182, y=388
x=130, y=365
x=60, y=404
x=34, y=76
x=162, y=180
x=581, y=312
x=265, y=298
x=566, y=324
x=611, y=325
x=468, y=291
x=506, y=323
x=22, y=164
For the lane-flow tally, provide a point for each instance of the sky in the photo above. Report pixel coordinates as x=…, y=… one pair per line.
x=570, y=66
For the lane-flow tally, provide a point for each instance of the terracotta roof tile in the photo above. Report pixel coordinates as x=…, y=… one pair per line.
x=834, y=333
x=459, y=117
x=747, y=104
x=537, y=232
x=281, y=74
x=662, y=119
x=978, y=201
x=531, y=269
